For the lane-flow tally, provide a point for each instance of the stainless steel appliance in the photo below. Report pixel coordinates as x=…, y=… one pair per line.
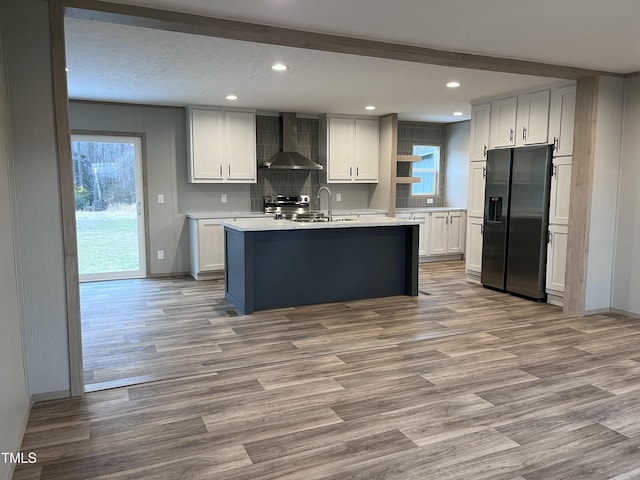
x=293, y=207
x=516, y=220
x=289, y=158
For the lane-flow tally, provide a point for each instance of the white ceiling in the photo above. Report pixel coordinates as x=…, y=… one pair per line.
x=111, y=62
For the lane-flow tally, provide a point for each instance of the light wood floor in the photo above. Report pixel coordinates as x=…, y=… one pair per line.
x=459, y=383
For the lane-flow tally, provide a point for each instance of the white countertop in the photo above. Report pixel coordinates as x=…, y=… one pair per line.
x=217, y=215
x=429, y=209
x=264, y=224
x=210, y=215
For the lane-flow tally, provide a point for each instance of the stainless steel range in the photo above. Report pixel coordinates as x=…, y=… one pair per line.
x=293, y=207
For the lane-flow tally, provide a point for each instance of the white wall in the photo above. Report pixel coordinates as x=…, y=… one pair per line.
x=626, y=278
x=14, y=396
x=457, y=164
x=605, y=194
x=37, y=192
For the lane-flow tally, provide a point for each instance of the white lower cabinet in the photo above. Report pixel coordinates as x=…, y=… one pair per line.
x=447, y=233
x=474, y=244
x=442, y=234
x=556, y=259
x=207, y=247
x=423, y=245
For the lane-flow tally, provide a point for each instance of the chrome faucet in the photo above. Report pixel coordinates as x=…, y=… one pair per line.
x=328, y=199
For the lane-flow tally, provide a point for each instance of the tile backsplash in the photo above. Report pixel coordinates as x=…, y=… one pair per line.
x=286, y=182
x=419, y=133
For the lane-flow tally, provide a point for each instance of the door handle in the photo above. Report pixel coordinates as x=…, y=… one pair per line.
x=511, y=134
x=221, y=170
x=524, y=133
x=549, y=236
x=357, y=171
x=350, y=172
x=484, y=153
x=229, y=169
x=556, y=143
x=484, y=172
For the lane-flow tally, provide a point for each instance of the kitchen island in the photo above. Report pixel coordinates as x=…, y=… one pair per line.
x=280, y=263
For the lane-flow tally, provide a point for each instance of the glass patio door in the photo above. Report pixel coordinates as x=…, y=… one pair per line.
x=109, y=198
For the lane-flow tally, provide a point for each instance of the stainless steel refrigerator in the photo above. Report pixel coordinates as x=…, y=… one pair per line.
x=516, y=220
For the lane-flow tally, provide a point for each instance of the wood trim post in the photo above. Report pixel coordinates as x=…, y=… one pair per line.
x=65, y=172
x=584, y=139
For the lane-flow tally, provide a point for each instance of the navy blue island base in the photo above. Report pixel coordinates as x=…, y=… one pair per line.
x=267, y=269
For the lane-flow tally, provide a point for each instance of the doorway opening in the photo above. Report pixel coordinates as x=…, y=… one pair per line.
x=110, y=226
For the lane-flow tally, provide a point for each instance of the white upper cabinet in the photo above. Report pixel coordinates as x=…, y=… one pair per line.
x=477, y=173
x=349, y=149
x=480, y=121
x=532, y=126
x=241, y=146
x=560, y=190
x=561, y=118
x=221, y=146
x=502, y=128
x=367, y=150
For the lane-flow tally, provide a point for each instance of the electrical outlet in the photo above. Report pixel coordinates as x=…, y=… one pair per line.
x=338, y=197
x=160, y=198
x=160, y=254
x=429, y=200
x=223, y=198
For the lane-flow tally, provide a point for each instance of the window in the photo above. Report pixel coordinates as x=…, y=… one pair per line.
x=426, y=169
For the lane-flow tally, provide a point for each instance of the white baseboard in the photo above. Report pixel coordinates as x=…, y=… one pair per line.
x=441, y=258
x=44, y=396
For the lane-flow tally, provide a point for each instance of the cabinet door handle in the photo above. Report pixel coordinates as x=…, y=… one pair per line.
x=221, y=170
x=484, y=153
x=350, y=172
x=357, y=171
x=556, y=143
x=549, y=236
x=229, y=169
x=524, y=133
x=511, y=134
x=484, y=172
x=446, y=220
x=554, y=171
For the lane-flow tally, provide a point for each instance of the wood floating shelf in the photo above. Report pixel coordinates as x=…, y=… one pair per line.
x=408, y=158
x=408, y=179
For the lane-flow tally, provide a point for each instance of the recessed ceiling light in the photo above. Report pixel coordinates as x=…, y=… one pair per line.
x=457, y=114
x=231, y=97
x=370, y=107
x=279, y=67
x=453, y=84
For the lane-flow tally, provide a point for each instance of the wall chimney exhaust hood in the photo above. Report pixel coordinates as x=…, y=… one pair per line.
x=289, y=158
